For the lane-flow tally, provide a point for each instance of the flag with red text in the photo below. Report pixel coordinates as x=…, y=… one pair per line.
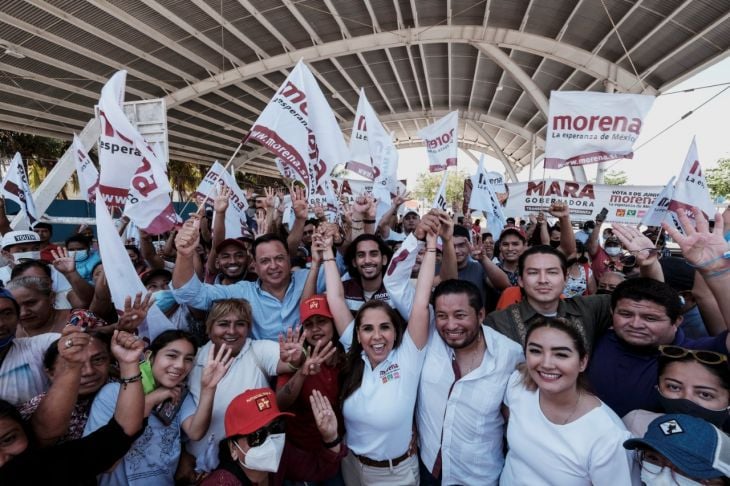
x=691, y=195
x=441, y=142
x=15, y=187
x=217, y=178
x=86, y=171
x=586, y=128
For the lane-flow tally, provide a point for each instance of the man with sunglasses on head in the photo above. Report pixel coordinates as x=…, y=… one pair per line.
x=254, y=450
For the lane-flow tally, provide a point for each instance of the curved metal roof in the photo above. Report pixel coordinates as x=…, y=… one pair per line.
x=218, y=62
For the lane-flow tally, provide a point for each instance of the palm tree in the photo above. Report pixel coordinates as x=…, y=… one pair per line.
x=184, y=178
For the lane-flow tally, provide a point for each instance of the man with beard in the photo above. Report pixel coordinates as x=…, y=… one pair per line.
x=366, y=258
x=232, y=260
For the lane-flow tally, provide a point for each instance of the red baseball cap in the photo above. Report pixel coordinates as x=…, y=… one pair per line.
x=514, y=230
x=314, y=306
x=230, y=241
x=250, y=411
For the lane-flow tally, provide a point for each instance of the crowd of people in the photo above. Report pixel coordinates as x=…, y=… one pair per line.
x=414, y=349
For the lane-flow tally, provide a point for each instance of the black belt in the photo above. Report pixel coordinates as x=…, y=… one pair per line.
x=387, y=463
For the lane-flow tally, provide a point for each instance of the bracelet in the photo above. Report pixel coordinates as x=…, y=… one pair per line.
x=329, y=259
x=329, y=445
x=368, y=221
x=292, y=367
x=132, y=379
x=707, y=263
x=431, y=250
x=718, y=273
x=357, y=220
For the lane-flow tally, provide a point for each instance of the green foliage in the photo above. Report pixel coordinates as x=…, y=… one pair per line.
x=40, y=154
x=427, y=184
x=615, y=178
x=718, y=179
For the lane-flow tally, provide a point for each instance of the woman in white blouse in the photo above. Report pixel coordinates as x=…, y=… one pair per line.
x=559, y=433
x=380, y=376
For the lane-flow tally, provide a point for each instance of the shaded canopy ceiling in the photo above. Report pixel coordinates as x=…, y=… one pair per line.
x=218, y=62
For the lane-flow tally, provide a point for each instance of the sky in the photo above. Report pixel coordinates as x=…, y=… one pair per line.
x=660, y=159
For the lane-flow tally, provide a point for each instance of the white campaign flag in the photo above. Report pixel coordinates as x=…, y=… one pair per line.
x=299, y=127
x=235, y=217
x=15, y=187
x=288, y=172
x=120, y=274
x=361, y=148
x=131, y=173
x=484, y=198
x=691, y=195
x=86, y=171
x=658, y=210
x=441, y=142
x=439, y=202
x=586, y=128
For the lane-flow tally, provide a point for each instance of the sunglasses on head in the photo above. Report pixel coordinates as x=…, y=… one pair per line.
x=258, y=437
x=706, y=357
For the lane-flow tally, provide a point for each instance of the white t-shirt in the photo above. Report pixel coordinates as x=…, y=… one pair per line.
x=586, y=451
x=21, y=373
x=379, y=415
x=467, y=424
x=252, y=368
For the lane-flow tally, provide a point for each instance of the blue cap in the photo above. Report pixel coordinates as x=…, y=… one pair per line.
x=5, y=294
x=693, y=445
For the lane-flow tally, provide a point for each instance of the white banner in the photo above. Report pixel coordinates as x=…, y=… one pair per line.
x=625, y=204
x=288, y=172
x=86, y=171
x=658, y=210
x=441, y=142
x=299, y=127
x=360, y=160
x=484, y=197
x=585, y=127
x=120, y=274
x=439, y=202
x=15, y=187
x=691, y=195
x=209, y=187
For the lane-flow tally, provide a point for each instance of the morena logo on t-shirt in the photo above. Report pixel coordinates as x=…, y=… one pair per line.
x=390, y=373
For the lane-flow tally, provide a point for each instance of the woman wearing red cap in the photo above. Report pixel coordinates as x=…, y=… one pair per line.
x=319, y=372
x=255, y=450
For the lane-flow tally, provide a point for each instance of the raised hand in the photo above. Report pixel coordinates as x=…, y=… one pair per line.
x=636, y=243
x=135, y=313
x=318, y=210
x=126, y=348
x=222, y=200
x=429, y=223
x=701, y=247
x=72, y=346
x=216, y=367
x=399, y=198
x=291, y=348
x=324, y=416
x=446, y=224
x=262, y=226
x=559, y=210
x=188, y=237
x=319, y=355
x=299, y=202
x=62, y=261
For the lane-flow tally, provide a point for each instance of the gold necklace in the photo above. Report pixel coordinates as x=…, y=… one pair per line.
x=575, y=408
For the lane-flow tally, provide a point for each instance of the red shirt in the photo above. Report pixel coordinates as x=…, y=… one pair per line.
x=46, y=254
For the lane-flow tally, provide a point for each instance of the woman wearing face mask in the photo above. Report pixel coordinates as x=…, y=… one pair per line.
x=22, y=462
x=682, y=450
x=253, y=364
x=37, y=313
x=153, y=458
x=691, y=382
x=380, y=375
x=79, y=247
x=255, y=450
x=558, y=432
x=579, y=280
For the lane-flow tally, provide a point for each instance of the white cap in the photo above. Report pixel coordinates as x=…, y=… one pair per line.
x=17, y=237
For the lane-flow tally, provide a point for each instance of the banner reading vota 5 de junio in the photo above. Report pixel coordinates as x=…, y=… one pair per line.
x=625, y=204
x=587, y=128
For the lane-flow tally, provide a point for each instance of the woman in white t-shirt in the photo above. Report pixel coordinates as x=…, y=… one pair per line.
x=380, y=375
x=559, y=433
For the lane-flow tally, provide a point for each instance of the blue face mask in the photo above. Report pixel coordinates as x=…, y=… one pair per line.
x=727, y=236
x=164, y=300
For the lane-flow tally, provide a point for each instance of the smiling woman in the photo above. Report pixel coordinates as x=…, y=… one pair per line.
x=559, y=433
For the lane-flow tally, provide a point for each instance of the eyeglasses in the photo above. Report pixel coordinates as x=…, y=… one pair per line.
x=258, y=437
x=706, y=357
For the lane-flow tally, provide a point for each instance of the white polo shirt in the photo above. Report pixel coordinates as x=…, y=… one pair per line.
x=252, y=368
x=379, y=415
x=467, y=425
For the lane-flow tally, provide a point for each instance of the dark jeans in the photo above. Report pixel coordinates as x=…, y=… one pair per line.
x=427, y=479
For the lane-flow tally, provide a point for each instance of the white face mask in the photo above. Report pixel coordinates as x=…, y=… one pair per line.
x=653, y=475
x=612, y=250
x=26, y=255
x=265, y=457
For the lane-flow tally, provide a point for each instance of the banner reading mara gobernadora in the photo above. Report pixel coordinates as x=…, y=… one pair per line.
x=587, y=128
x=440, y=139
x=625, y=204
x=299, y=127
